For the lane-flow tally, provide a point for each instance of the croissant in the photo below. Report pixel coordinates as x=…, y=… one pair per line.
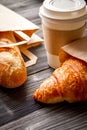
x=67, y=83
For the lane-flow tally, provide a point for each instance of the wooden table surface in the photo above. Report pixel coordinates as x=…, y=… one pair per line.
x=18, y=110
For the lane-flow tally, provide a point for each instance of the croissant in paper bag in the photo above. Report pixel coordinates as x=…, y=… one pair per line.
x=67, y=83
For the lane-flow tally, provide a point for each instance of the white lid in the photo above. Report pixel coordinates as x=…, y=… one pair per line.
x=64, y=9
x=64, y=5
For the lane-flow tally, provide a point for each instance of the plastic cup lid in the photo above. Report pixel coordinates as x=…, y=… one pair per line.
x=64, y=9
x=64, y=5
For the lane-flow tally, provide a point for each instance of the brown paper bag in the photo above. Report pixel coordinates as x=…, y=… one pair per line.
x=76, y=49
x=11, y=21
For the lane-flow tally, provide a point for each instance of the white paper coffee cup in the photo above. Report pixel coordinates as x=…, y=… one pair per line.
x=63, y=21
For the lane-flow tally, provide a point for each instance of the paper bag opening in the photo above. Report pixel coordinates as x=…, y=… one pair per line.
x=77, y=49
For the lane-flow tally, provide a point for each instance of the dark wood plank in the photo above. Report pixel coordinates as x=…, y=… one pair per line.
x=62, y=116
x=19, y=102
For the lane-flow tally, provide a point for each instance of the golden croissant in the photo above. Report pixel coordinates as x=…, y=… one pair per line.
x=67, y=83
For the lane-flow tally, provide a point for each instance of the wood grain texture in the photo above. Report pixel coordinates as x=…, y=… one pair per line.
x=18, y=110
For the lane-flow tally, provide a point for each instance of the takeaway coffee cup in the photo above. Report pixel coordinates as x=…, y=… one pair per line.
x=63, y=21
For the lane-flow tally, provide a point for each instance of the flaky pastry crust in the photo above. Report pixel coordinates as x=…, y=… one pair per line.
x=67, y=83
